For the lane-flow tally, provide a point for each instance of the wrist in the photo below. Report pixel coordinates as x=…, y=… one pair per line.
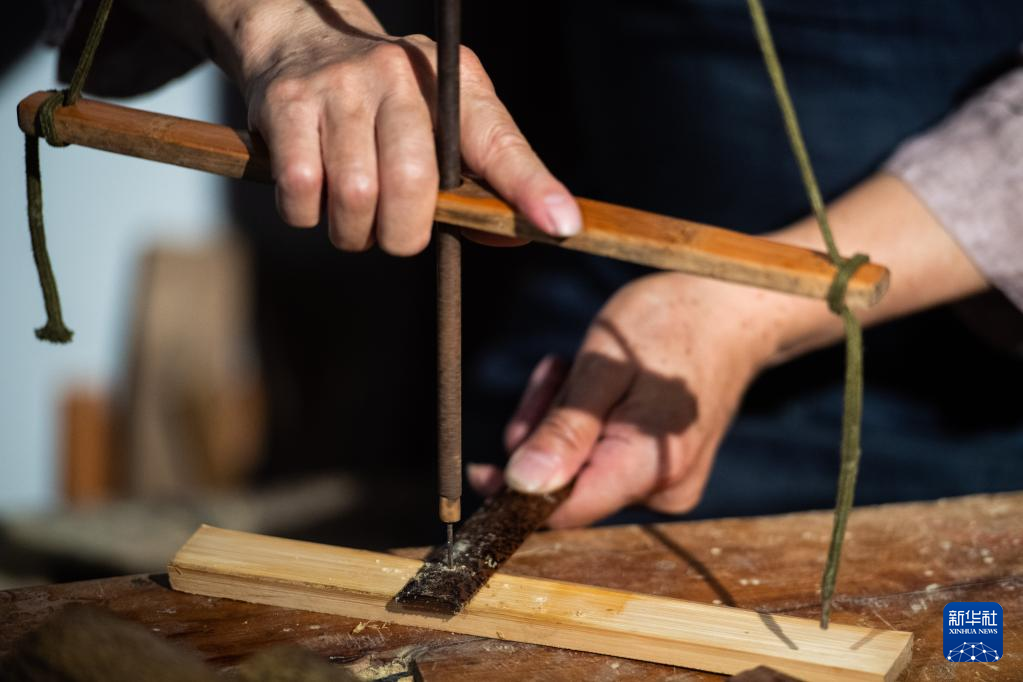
x=770, y=327
x=263, y=33
x=750, y=324
x=802, y=324
x=765, y=321
x=213, y=29
x=244, y=35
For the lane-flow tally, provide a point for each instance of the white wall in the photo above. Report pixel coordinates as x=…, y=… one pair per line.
x=102, y=210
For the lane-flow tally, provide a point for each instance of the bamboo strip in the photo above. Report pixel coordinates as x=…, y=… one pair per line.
x=360, y=584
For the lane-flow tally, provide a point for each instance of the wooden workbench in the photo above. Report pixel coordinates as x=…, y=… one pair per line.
x=902, y=564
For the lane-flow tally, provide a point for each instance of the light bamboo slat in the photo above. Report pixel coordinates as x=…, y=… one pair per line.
x=360, y=584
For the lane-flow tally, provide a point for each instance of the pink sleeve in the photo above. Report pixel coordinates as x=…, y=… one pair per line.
x=968, y=170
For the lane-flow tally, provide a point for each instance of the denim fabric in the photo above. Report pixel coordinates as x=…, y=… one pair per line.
x=665, y=105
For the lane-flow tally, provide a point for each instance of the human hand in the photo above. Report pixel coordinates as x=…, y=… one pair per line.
x=664, y=365
x=639, y=416
x=347, y=113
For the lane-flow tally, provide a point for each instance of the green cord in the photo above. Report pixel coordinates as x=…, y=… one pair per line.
x=92, y=41
x=55, y=330
x=853, y=398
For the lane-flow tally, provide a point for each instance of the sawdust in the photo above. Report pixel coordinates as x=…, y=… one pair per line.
x=397, y=669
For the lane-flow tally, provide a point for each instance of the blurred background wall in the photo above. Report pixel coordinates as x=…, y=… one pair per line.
x=240, y=377
x=102, y=212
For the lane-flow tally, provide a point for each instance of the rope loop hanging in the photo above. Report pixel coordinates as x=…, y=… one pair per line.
x=44, y=118
x=55, y=330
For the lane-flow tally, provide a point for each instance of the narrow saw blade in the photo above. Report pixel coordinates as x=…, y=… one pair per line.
x=484, y=542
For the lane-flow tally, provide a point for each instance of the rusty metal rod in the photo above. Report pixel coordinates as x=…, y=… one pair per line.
x=449, y=36
x=449, y=273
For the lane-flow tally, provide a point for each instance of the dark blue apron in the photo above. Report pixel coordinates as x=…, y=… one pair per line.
x=666, y=106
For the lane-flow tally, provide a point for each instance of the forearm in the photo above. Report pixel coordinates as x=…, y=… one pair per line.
x=883, y=218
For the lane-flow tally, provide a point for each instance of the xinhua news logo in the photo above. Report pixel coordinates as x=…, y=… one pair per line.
x=973, y=632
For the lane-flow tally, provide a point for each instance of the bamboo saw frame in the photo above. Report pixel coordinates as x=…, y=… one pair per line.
x=609, y=230
x=359, y=584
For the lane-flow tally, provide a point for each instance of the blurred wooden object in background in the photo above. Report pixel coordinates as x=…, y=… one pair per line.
x=89, y=471
x=187, y=413
x=192, y=404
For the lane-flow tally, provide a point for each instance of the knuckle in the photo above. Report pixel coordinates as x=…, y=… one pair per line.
x=503, y=142
x=391, y=58
x=559, y=430
x=356, y=192
x=286, y=89
x=468, y=58
x=299, y=178
x=343, y=77
x=473, y=75
x=419, y=39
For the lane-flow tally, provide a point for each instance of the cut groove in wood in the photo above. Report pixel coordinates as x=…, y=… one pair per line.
x=485, y=541
x=359, y=584
x=614, y=231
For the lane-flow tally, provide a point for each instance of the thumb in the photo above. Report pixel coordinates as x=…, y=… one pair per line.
x=563, y=440
x=542, y=390
x=494, y=147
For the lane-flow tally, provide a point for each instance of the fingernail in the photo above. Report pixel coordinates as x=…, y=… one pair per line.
x=530, y=471
x=563, y=215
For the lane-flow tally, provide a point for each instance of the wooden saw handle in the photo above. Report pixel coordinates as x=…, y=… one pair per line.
x=614, y=231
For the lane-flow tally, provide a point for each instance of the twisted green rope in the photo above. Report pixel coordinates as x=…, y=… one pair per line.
x=853, y=398
x=55, y=330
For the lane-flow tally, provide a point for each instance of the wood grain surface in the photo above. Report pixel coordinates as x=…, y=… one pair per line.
x=717, y=638
x=613, y=231
x=902, y=564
